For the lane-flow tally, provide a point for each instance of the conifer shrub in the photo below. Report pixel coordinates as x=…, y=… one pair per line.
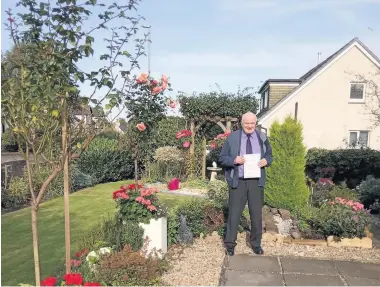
x=286, y=185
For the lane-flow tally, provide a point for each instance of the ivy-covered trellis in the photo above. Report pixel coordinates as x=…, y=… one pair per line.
x=218, y=107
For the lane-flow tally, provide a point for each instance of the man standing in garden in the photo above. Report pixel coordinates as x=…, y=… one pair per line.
x=245, y=155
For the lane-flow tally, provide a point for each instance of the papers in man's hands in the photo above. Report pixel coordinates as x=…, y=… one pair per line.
x=251, y=168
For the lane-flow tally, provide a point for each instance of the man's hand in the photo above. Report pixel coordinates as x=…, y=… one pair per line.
x=239, y=160
x=262, y=162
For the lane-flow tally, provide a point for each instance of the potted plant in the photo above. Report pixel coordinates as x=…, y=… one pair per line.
x=141, y=204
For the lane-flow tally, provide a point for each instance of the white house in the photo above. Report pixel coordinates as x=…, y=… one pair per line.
x=333, y=100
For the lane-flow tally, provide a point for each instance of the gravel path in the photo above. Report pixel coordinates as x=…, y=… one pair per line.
x=201, y=262
x=198, y=264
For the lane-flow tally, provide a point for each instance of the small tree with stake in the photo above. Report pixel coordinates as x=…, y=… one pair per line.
x=40, y=86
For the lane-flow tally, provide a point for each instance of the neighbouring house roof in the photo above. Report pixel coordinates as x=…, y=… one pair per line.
x=267, y=82
x=314, y=72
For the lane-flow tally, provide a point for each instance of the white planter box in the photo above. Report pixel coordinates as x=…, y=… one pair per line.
x=156, y=231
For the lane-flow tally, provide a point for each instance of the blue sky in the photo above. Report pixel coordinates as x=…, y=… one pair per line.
x=243, y=42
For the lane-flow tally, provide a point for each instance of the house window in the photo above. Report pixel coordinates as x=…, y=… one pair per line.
x=266, y=99
x=359, y=138
x=357, y=91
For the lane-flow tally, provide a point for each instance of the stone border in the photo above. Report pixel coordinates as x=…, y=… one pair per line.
x=365, y=242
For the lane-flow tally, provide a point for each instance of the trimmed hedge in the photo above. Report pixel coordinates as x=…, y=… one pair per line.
x=351, y=165
x=286, y=186
x=105, y=161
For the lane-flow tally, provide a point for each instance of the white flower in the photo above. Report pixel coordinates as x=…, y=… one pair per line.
x=92, y=257
x=104, y=250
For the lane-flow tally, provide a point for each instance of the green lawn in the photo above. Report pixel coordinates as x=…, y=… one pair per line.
x=86, y=208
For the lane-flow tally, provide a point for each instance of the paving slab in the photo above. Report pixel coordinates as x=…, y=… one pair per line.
x=308, y=266
x=358, y=269
x=246, y=278
x=362, y=281
x=246, y=262
x=312, y=280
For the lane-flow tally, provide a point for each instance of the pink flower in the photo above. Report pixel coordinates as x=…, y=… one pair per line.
x=139, y=199
x=186, y=144
x=350, y=203
x=164, y=85
x=172, y=104
x=10, y=19
x=141, y=127
x=154, y=82
x=157, y=90
x=151, y=207
x=76, y=262
x=331, y=202
x=142, y=79
x=164, y=79
x=146, y=202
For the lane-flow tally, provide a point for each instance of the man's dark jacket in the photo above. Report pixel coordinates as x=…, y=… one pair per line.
x=231, y=149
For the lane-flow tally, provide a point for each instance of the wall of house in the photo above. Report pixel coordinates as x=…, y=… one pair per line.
x=277, y=92
x=324, y=108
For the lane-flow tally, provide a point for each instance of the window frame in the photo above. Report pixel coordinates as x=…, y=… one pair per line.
x=358, y=137
x=360, y=101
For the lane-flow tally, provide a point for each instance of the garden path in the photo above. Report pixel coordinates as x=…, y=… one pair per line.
x=250, y=270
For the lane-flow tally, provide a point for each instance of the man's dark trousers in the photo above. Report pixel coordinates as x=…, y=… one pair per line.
x=247, y=190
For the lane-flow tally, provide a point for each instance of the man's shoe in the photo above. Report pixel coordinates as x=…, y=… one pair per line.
x=230, y=252
x=258, y=250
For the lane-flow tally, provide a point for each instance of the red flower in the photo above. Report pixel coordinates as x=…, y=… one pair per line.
x=154, y=82
x=80, y=253
x=183, y=134
x=49, y=281
x=73, y=279
x=92, y=284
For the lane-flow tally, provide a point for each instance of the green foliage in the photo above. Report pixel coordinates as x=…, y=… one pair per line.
x=369, y=192
x=218, y=103
x=18, y=193
x=327, y=191
x=167, y=129
x=169, y=163
x=342, y=218
x=173, y=225
x=112, y=233
x=218, y=192
x=8, y=143
x=195, y=184
x=286, y=185
x=353, y=165
x=106, y=161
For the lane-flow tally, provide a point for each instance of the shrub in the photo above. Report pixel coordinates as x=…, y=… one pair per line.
x=353, y=165
x=342, y=218
x=218, y=192
x=286, y=185
x=196, y=183
x=325, y=191
x=139, y=205
x=167, y=129
x=18, y=194
x=170, y=163
x=111, y=232
x=129, y=268
x=105, y=161
x=369, y=192
x=202, y=216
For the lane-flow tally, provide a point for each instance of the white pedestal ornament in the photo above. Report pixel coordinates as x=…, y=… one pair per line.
x=156, y=231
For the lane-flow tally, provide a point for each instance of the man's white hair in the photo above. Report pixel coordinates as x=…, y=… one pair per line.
x=248, y=114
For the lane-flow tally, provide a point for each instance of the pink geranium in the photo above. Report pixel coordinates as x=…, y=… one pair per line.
x=186, y=144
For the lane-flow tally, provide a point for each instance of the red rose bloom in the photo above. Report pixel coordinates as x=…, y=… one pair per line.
x=73, y=279
x=49, y=281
